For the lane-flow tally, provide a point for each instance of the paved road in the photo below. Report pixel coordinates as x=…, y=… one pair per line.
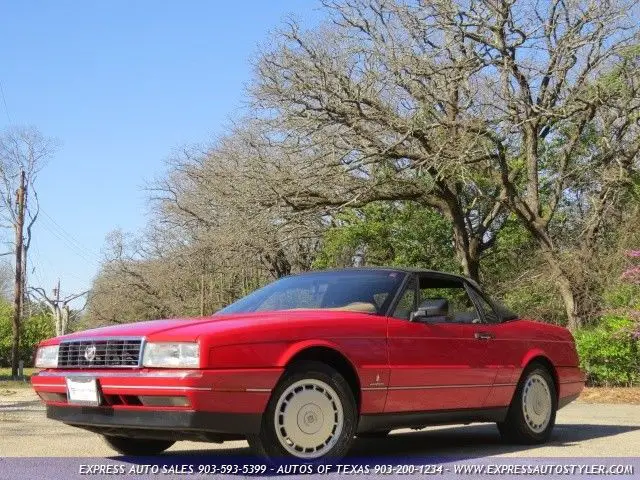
x=582, y=430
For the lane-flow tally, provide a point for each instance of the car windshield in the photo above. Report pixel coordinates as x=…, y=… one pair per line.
x=366, y=291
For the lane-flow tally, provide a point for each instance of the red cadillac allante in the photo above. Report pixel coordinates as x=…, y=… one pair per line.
x=305, y=364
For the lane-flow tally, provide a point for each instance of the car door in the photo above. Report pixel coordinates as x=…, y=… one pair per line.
x=439, y=364
x=504, y=349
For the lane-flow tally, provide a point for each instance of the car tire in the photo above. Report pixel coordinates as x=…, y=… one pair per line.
x=137, y=446
x=311, y=415
x=532, y=413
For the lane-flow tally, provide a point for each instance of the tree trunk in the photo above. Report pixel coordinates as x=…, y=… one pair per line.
x=567, y=289
x=571, y=305
x=278, y=264
x=58, y=319
x=64, y=313
x=470, y=263
x=471, y=268
x=18, y=290
x=467, y=251
x=566, y=286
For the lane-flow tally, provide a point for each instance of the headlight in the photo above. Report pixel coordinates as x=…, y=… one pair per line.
x=47, y=357
x=171, y=355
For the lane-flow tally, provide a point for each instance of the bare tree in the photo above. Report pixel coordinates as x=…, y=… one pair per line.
x=60, y=307
x=368, y=100
x=23, y=153
x=214, y=197
x=471, y=107
x=170, y=271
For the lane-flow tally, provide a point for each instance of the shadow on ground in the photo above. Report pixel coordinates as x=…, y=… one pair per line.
x=443, y=445
x=22, y=405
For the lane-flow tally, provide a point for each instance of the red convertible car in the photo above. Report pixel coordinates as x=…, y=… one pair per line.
x=302, y=366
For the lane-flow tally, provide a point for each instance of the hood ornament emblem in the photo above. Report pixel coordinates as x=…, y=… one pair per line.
x=90, y=353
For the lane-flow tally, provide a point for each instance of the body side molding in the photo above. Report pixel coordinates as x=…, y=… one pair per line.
x=389, y=421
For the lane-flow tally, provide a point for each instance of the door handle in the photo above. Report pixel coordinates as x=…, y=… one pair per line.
x=484, y=335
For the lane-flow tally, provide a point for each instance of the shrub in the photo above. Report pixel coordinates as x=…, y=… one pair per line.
x=34, y=329
x=609, y=352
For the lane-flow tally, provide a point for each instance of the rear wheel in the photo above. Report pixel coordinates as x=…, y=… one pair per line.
x=137, y=446
x=311, y=415
x=532, y=413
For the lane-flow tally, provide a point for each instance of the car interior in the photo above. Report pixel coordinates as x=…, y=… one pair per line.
x=441, y=300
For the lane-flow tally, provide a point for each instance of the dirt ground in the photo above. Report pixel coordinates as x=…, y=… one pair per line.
x=611, y=395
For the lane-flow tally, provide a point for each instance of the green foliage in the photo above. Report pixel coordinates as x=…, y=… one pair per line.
x=536, y=299
x=392, y=234
x=5, y=333
x=622, y=295
x=512, y=245
x=34, y=329
x=609, y=352
x=513, y=272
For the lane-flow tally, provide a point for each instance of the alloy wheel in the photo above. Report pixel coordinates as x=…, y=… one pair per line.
x=308, y=418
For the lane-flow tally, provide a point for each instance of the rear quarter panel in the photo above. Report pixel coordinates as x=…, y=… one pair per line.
x=521, y=341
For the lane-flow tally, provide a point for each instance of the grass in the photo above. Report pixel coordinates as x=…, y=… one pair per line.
x=5, y=373
x=9, y=386
x=7, y=382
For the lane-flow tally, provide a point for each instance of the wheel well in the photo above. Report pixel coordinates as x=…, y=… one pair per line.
x=544, y=361
x=334, y=359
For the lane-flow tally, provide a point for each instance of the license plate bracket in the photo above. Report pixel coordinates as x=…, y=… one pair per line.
x=83, y=391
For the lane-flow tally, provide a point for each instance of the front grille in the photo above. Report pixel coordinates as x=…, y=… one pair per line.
x=100, y=353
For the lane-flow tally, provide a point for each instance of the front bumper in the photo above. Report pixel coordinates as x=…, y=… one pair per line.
x=212, y=401
x=155, y=423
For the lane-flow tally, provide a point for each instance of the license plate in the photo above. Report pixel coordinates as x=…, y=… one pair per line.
x=83, y=391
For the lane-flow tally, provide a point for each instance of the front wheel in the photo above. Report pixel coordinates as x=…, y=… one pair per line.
x=311, y=415
x=532, y=413
x=137, y=446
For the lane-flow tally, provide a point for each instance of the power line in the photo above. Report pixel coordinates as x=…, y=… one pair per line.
x=4, y=101
x=69, y=245
x=36, y=261
x=72, y=243
x=67, y=239
x=70, y=237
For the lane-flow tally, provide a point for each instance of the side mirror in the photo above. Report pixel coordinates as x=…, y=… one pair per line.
x=431, y=310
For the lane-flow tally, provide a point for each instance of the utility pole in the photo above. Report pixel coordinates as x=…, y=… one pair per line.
x=25, y=246
x=202, y=295
x=18, y=283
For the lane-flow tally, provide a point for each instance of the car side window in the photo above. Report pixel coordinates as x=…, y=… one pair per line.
x=488, y=312
x=407, y=302
x=461, y=308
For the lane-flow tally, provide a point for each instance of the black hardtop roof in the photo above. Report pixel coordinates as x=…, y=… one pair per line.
x=392, y=269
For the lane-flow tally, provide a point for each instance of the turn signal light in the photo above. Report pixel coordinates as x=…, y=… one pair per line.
x=162, y=401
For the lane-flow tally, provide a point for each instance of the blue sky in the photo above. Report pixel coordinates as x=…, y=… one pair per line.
x=120, y=84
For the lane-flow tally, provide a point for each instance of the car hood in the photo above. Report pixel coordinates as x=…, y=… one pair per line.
x=137, y=329
x=192, y=328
